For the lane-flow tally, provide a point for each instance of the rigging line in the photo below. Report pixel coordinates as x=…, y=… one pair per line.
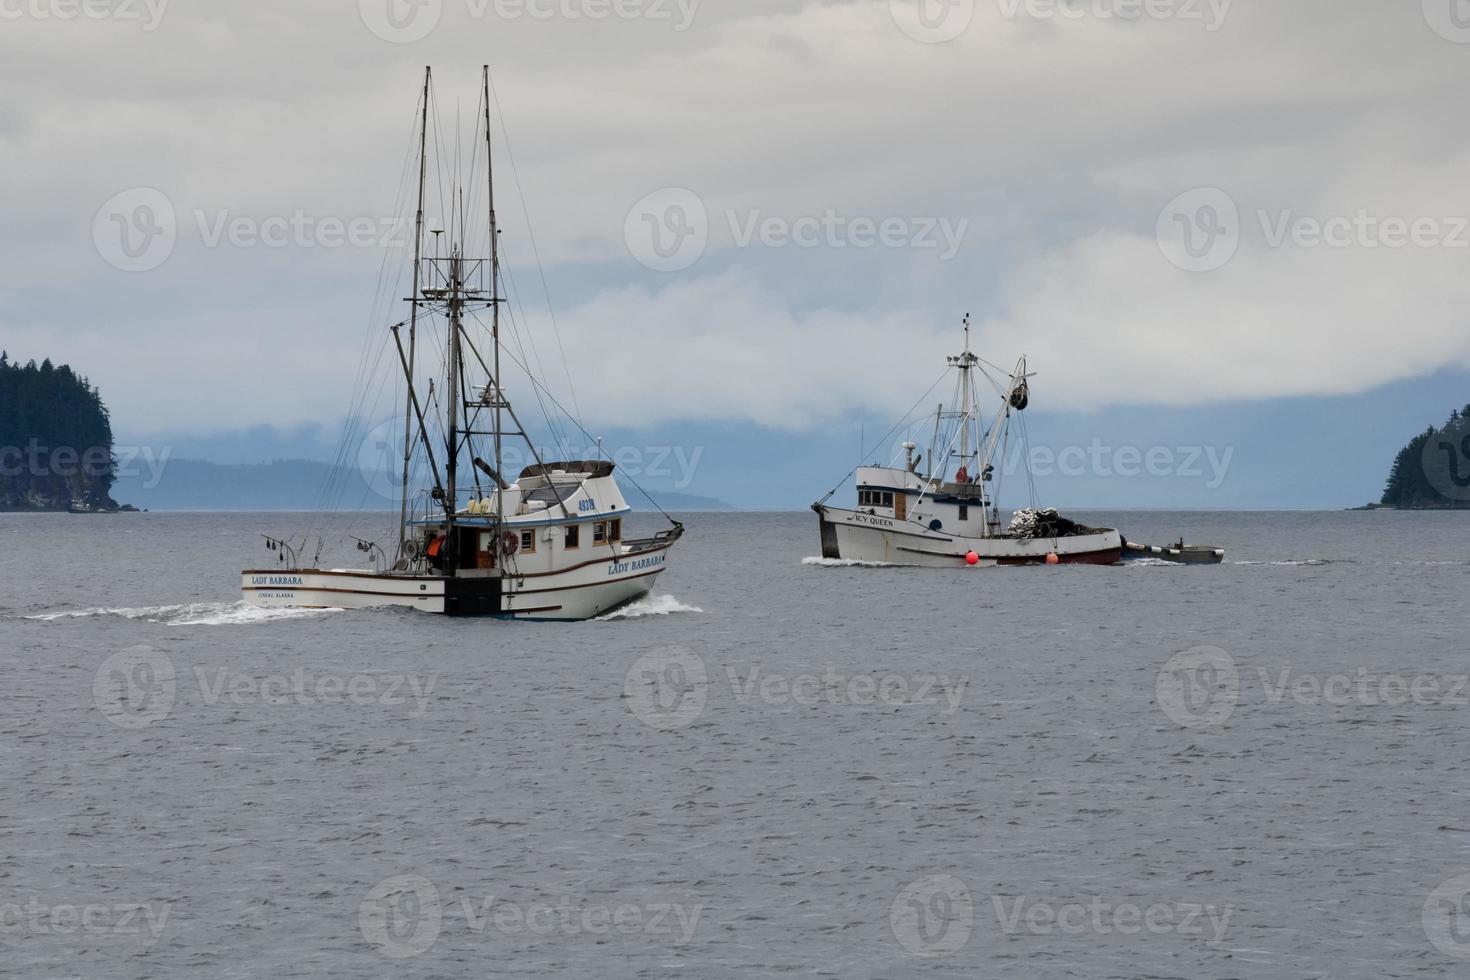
x=552, y=425
x=589, y=437
x=891, y=431
x=531, y=236
x=522, y=335
x=379, y=301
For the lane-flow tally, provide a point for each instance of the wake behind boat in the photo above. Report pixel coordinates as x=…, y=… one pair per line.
x=549, y=545
x=949, y=519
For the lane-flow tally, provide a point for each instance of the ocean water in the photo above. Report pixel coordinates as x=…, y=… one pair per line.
x=774, y=767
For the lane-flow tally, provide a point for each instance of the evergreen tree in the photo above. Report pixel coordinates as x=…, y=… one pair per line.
x=55, y=439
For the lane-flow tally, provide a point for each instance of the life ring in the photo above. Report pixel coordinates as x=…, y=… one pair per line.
x=510, y=542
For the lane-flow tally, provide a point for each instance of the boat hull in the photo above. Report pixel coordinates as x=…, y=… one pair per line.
x=855, y=536
x=580, y=592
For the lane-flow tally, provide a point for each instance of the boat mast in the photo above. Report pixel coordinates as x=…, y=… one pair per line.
x=494, y=306
x=451, y=465
x=413, y=319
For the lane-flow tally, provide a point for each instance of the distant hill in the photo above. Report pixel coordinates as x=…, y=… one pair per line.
x=1433, y=471
x=55, y=440
x=295, y=485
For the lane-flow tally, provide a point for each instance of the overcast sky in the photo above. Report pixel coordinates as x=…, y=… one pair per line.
x=748, y=210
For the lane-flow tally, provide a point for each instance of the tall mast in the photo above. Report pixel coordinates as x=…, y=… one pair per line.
x=413, y=320
x=966, y=361
x=451, y=465
x=494, y=301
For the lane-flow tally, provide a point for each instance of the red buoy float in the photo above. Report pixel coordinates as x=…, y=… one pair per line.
x=972, y=559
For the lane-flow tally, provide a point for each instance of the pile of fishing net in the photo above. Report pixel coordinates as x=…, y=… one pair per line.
x=1032, y=522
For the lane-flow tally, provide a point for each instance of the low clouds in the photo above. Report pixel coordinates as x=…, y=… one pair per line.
x=1060, y=144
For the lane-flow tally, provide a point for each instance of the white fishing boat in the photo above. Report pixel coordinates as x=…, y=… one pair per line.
x=945, y=515
x=551, y=544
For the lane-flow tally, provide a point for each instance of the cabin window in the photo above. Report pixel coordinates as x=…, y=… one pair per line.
x=964, y=512
x=574, y=536
x=615, y=530
x=528, y=542
x=875, y=498
x=599, y=532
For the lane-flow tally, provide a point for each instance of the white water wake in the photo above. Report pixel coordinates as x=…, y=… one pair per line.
x=843, y=563
x=192, y=614
x=655, y=605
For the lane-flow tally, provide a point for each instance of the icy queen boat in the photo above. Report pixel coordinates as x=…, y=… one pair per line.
x=950, y=519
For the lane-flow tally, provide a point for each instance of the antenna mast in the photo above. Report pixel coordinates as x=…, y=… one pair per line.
x=418, y=242
x=499, y=394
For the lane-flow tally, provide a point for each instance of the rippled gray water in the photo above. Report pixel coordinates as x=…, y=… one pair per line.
x=776, y=768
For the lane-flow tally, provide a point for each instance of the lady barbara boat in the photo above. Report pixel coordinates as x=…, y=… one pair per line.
x=949, y=518
x=549, y=545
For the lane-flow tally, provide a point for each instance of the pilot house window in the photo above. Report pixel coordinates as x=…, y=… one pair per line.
x=599, y=532
x=875, y=498
x=528, y=542
x=574, y=536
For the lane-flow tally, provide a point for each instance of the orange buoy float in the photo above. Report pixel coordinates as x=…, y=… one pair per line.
x=1052, y=559
x=972, y=559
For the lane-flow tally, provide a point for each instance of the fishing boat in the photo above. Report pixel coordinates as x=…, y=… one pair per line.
x=548, y=544
x=939, y=509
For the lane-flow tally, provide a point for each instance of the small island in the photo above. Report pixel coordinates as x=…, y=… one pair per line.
x=55, y=441
x=1433, y=471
